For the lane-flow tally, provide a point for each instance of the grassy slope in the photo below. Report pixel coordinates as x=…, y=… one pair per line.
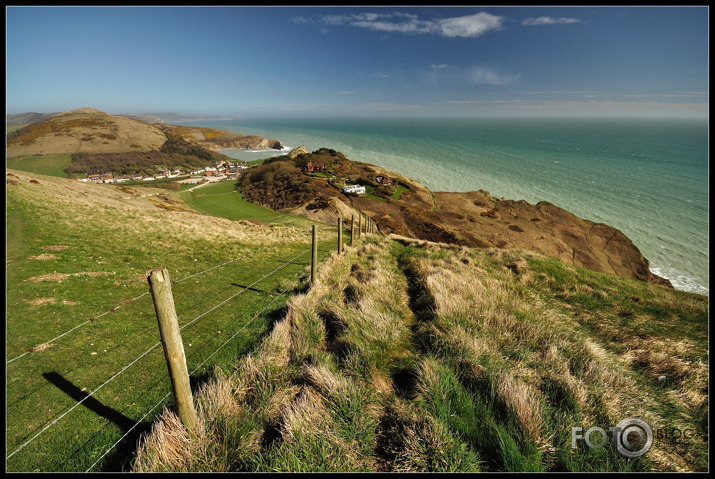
x=222, y=199
x=42, y=165
x=75, y=251
x=434, y=358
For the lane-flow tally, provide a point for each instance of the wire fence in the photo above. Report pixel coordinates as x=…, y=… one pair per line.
x=39, y=347
x=87, y=396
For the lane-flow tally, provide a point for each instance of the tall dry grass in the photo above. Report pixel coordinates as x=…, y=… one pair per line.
x=422, y=358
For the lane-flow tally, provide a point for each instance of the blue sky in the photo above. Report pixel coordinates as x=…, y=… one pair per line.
x=359, y=61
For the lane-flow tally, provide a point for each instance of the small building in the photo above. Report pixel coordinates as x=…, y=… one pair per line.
x=100, y=176
x=310, y=167
x=383, y=180
x=354, y=189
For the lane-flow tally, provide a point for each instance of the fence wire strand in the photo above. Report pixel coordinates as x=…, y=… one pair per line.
x=151, y=349
x=94, y=318
x=193, y=372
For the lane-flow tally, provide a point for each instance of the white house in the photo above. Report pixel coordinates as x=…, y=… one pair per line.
x=356, y=189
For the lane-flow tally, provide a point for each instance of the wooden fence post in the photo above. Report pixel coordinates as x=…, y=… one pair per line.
x=340, y=235
x=359, y=225
x=352, y=229
x=313, y=258
x=173, y=346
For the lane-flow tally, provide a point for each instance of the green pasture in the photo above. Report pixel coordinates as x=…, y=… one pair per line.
x=44, y=165
x=105, y=299
x=222, y=199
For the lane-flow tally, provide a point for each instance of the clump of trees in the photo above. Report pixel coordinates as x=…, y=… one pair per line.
x=277, y=184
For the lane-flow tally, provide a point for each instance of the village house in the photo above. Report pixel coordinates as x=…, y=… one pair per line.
x=100, y=176
x=354, y=189
x=383, y=180
x=311, y=167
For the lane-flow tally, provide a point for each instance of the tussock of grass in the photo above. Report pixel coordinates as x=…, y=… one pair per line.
x=411, y=357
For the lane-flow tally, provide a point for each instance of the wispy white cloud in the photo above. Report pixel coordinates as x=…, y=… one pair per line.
x=468, y=26
x=489, y=76
x=444, y=75
x=549, y=21
x=348, y=92
x=379, y=75
x=302, y=20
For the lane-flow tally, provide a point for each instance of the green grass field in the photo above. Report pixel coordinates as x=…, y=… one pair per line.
x=77, y=256
x=43, y=165
x=222, y=199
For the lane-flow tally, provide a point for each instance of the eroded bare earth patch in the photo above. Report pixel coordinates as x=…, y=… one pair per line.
x=54, y=247
x=44, y=256
x=63, y=276
x=40, y=301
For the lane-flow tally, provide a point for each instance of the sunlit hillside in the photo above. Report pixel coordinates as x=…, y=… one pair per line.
x=410, y=356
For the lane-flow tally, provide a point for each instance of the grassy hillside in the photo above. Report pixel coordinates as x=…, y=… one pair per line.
x=84, y=131
x=54, y=165
x=95, y=140
x=409, y=356
x=224, y=200
x=78, y=310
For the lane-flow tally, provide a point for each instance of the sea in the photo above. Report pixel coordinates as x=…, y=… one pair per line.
x=645, y=177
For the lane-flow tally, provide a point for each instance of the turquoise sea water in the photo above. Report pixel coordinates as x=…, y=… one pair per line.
x=648, y=178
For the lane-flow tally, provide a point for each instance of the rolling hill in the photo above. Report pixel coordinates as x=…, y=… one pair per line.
x=96, y=140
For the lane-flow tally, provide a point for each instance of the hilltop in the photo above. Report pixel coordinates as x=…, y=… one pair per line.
x=96, y=141
x=400, y=205
x=85, y=130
